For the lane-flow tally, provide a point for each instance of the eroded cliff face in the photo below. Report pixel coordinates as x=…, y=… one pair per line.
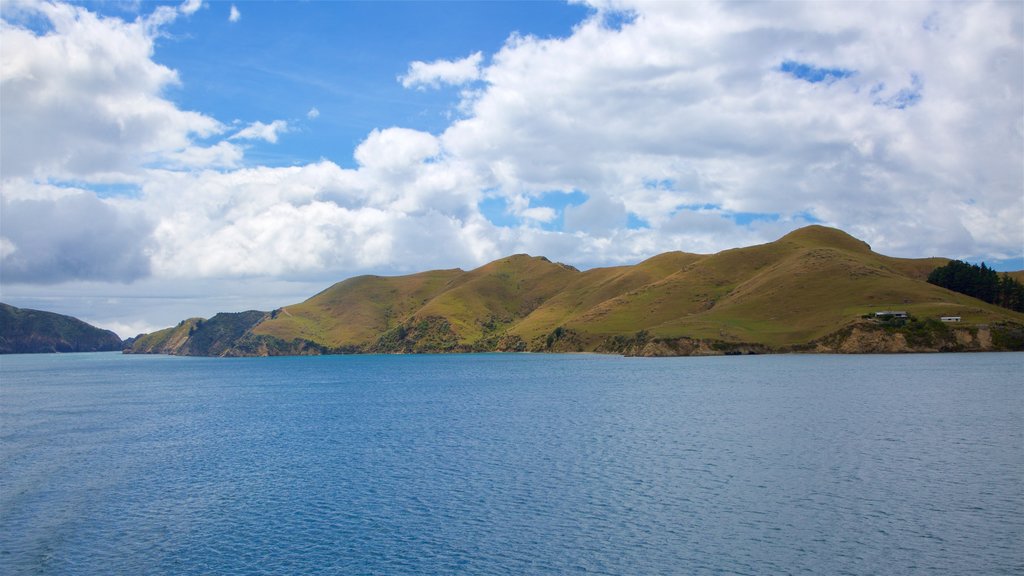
x=862, y=340
x=864, y=337
x=871, y=338
x=661, y=347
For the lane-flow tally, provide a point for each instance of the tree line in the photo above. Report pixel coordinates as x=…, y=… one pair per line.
x=980, y=282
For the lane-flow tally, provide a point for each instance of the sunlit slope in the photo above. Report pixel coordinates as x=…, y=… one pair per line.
x=488, y=300
x=592, y=288
x=358, y=310
x=474, y=304
x=166, y=341
x=803, y=286
x=808, y=285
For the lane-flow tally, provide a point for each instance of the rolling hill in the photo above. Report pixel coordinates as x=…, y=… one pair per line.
x=815, y=289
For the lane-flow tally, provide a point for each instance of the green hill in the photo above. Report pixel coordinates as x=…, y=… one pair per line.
x=815, y=289
x=23, y=330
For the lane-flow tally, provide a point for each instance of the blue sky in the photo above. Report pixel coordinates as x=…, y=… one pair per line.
x=342, y=59
x=180, y=159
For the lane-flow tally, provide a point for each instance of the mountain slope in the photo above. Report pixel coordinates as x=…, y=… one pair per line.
x=803, y=288
x=358, y=310
x=23, y=330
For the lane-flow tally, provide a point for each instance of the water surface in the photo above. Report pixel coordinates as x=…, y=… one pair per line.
x=512, y=464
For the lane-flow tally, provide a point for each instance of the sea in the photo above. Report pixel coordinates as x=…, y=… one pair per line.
x=512, y=464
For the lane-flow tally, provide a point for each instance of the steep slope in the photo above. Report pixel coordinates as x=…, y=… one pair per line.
x=23, y=330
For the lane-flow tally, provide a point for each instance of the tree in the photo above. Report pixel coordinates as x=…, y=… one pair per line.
x=980, y=282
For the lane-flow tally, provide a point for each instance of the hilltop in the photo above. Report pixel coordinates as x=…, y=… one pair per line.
x=814, y=289
x=23, y=330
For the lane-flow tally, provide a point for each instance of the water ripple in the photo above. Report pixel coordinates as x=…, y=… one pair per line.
x=511, y=464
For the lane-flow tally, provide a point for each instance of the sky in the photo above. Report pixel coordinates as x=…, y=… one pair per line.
x=160, y=161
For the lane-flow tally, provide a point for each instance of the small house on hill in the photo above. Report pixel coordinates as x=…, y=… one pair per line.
x=949, y=318
x=886, y=314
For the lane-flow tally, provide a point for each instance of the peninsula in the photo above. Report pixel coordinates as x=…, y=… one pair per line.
x=816, y=289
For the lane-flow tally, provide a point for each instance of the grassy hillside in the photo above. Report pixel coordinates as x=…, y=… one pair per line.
x=23, y=330
x=801, y=287
x=1017, y=275
x=805, y=287
x=358, y=310
x=166, y=341
x=490, y=299
x=595, y=287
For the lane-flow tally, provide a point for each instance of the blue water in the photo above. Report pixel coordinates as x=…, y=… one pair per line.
x=512, y=464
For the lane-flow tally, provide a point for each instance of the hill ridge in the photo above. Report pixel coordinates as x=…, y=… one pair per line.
x=803, y=288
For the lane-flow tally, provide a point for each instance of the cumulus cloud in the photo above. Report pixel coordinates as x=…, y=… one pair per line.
x=306, y=220
x=313, y=113
x=260, y=131
x=234, y=15
x=396, y=148
x=724, y=105
x=433, y=74
x=85, y=96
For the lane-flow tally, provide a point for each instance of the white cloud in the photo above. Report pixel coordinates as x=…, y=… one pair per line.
x=303, y=221
x=220, y=155
x=396, y=149
x=234, y=15
x=438, y=72
x=313, y=113
x=598, y=215
x=86, y=97
x=6, y=247
x=189, y=7
x=260, y=131
x=543, y=214
x=125, y=329
x=692, y=96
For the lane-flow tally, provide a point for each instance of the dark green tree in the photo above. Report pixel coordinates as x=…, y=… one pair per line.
x=980, y=282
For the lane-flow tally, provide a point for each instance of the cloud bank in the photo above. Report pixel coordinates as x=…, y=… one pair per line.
x=653, y=127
